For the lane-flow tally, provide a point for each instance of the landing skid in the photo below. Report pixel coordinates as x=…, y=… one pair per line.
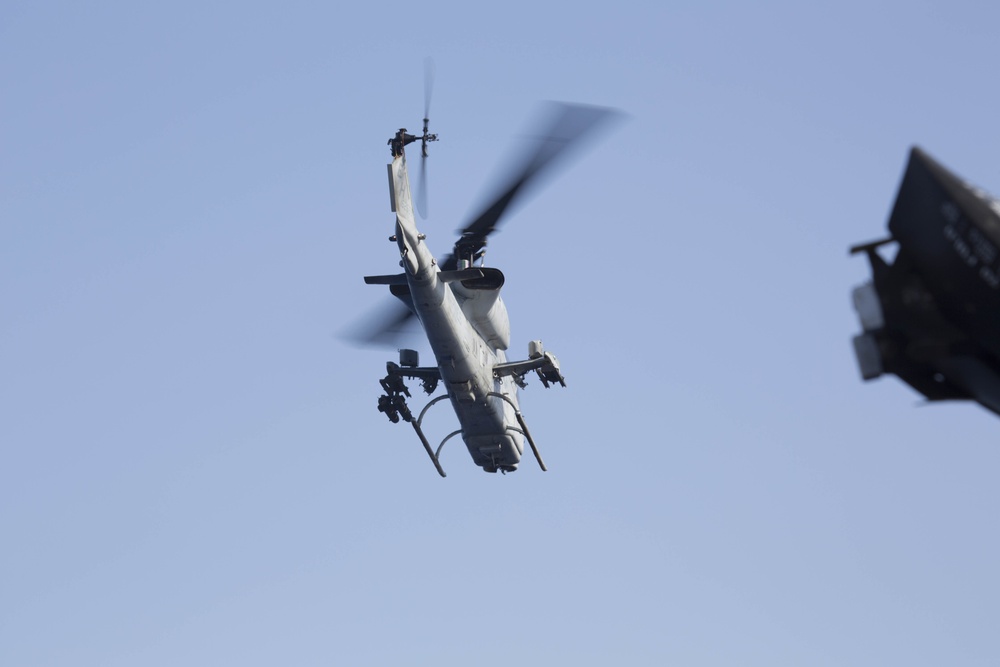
x=523, y=430
x=393, y=404
x=423, y=439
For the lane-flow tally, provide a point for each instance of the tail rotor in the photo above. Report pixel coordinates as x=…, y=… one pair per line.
x=425, y=137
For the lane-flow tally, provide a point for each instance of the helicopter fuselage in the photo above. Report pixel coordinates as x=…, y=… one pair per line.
x=468, y=331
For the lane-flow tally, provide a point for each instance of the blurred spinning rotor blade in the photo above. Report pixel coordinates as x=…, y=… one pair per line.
x=389, y=326
x=428, y=84
x=422, y=179
x=564, y=131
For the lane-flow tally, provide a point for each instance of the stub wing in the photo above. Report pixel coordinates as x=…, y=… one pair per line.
x=544, y=363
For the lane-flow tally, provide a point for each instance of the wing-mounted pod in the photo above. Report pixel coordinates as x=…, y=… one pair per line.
x=544, y=363
x=932, y=315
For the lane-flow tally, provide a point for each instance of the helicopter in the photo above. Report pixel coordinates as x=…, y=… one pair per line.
x=456, y=300
x=932, y=315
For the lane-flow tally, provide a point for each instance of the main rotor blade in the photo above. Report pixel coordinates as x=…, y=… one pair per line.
x=388, y=327
x=567, y=125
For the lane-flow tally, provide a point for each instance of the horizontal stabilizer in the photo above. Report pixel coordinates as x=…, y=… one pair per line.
x=396, y=279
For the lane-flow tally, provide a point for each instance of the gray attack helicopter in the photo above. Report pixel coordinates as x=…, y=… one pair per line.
x=456, y=300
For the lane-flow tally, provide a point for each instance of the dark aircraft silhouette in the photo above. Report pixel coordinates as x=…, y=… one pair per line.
x=932, y=316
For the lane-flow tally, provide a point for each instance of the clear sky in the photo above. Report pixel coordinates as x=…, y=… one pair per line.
x=193, y=469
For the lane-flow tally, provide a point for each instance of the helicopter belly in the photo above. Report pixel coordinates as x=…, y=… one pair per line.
x=495, y=452
x=487, y=420
x=489, y=429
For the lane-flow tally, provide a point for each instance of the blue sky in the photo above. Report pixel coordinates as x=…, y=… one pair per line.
x=194, y=470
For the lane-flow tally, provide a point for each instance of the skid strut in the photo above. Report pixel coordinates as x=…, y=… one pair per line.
x=524, y=429
x=401, y=410
x=393, y=403
x=394, y=406
x=423, y=439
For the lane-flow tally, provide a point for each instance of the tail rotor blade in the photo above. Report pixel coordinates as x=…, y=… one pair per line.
x=421, y=199
x=428, y=84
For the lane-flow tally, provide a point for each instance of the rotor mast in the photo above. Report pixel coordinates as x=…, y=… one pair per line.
x=401, y=139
